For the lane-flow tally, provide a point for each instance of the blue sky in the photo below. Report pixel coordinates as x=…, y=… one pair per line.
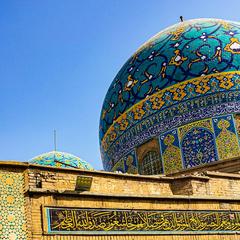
x=58, y=58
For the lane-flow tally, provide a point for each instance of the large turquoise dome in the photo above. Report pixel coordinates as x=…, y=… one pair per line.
x=60, y=159
x=188, y=72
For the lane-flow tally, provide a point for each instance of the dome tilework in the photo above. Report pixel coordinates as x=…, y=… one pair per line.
x=184, y=51
x=186, y=73
x=60, y=159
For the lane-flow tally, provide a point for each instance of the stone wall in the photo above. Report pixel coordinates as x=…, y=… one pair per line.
x=210, y=191
x=27, y=190
x=103, y=183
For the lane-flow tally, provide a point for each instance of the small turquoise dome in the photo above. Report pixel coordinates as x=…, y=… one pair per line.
x=60, y=159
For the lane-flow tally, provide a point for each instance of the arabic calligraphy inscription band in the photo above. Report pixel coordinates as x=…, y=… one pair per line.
x=111, y=221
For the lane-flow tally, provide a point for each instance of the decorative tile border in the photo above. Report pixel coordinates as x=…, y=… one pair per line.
x=192, y=144
x=181, y=97
x=139, y=134
x=13, y=223
x=79, y=221
x=202, y=97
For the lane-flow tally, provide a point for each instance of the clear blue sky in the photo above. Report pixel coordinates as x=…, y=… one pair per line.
x=58, y=58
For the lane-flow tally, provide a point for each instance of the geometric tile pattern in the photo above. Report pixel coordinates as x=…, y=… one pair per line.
x=198, y=147
x=12, y=218
x=197, y=143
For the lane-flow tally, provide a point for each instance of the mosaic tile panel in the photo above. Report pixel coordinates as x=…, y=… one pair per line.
x=119, y=166
x=131, y=163
x=195, y=144
x=170, y=152
x=198, y=143
x=139, y=134
x=13, y=224
x=237, y=124
x=127, y=164
x=226, y=137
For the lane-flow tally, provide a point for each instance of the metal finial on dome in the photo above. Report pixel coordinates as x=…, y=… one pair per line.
x=55, y=139
x=181, y=18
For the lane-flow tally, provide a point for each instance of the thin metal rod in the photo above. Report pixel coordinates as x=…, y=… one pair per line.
x=55, y=140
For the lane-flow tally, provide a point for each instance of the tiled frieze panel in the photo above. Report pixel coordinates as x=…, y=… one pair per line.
x=196, y=144
x=70, y=221
x=13, y=224
x=202, y=92
x=146, y=129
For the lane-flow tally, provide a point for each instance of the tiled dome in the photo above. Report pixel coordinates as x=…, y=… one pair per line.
x=172, y=80
x=61, y=159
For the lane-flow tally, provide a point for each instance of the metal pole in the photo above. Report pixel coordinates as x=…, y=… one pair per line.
x=55, y=140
